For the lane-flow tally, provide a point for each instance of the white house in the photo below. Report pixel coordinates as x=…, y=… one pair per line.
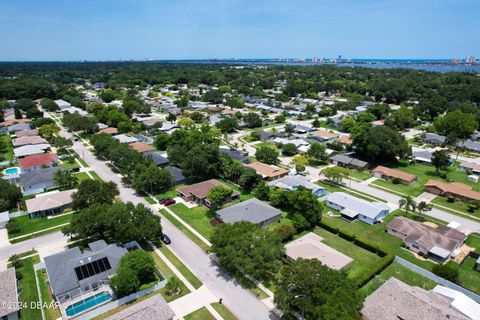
x=352, y=208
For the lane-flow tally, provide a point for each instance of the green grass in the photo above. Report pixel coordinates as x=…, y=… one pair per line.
x=50, y=313
x=284, y=220
x=331, y=187
x=200, y=314
x=27, y=253
x=95, y=176
x=223, y=311
x=28, y=225
x=81, y=176
x=197, y=217
x=150, y=200
x=360, y=175
x=468, y=276
x=82, y=162
x=457, y=205
x=70, y=164
x=362, y=258
x=28, y=288
x=180, y=226
x=473, y=240
x=169, y=194
x=194, y=281
x=401, y=273
x=8, y=147
x=243, y=195
x=414, y=190
x=265, y=144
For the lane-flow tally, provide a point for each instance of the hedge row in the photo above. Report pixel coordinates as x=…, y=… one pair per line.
x=374, y=269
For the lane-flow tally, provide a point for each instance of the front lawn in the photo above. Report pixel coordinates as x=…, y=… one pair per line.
x=95, y=176
x=25, y=225
x=200, y=314
x=362, y=259
x=457, y=205
x=223, y=311
x=81, y=176
x=173, y=193
x=401, y=273
x=197, y=217
x=359, y=175
x=180, y=226
x=415, y=189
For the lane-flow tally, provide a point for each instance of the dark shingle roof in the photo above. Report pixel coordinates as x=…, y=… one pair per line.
x=39, y=176
x=252, y=210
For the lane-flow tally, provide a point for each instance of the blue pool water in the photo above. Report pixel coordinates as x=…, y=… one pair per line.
x=12, y=171
x=88, y=303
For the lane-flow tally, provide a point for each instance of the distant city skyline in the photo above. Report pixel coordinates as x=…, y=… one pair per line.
x=196, y=29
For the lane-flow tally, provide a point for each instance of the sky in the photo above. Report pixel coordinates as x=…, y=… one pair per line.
x=53, y=30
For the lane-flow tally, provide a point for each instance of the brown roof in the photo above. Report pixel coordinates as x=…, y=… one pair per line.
x=109, y=131
x=50, y=201
x=11, y=122
x=428, y=237
x=470, y=165
x=29, y=140
x=324, y=134
x=395, y=173
x=267, y=170
x=201, y=189
x=396, y=300
x=345, y=139
x=454, y=188
x=27, y=133
x=141, y=147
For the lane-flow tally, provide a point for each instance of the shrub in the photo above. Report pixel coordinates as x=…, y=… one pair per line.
x=346, y=235
x=472, y=207
x=443, y=175
x=285, y=232
x=173, y=286
x=446, y=271
x=366, y=245
x=451, y=199
x=395, y=180
x=373, y=270
x=18, y=275
x=327, y=227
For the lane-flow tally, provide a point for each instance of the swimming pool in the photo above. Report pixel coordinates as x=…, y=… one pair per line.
x=88, y=303
x=11, y=171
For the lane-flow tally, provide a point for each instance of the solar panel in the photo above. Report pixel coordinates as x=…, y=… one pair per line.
x=92, y=268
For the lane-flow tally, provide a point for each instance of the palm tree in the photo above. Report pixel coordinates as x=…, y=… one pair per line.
x=424, y=207
x=408, y=203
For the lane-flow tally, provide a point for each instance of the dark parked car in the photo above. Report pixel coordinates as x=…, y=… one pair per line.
x=162, y=201
x=165, y=239
x=169, y=202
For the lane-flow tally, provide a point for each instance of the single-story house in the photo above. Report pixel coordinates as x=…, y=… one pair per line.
x=251, y=210
x=267, y=171
x=141, y=147
x=198, y=192
x=73, y=110
x=293, y=182
x=13, y=121
x=470, y=167
x=110, y=131
x=389, y=173
x=348, y=162
x=157, y=158
x=49, y=204
x=62, y=104
x=323, y=135
x=395, y=300
x=297, y=142
x=168, y=127
x=345, y=139
x=433, y=139
x=29, y=150
x=9, y=295
x=38, y=181
x=310, y=246
x=264, y=136
x=26, y=133
x=422, y=156
x=302, y=129
x=153, y=308
x=72, y=272
x=31, y=140
x=235, y=154
x=18, y=127
x=352, y=208
x=456, y=189
x=37, y=161
x=437, y=243
x=177, y=174
x=470, y=145
x=123, y=138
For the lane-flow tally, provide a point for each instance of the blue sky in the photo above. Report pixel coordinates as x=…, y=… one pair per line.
x=184, y=29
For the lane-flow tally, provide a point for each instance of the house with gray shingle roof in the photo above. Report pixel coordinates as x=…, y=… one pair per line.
x=38, y=181
x=252, y=210
x=8, y=295
x=153, y=308
x=70, y=272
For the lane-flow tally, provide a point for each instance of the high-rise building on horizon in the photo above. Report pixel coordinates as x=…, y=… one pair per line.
x=470, y=59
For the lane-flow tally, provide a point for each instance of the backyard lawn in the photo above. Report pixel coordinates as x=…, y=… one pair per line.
x=28, y=289
x=180, y=226
x=243, y=195
x=362, y=258
x=8, y=147
x=401, y=273
x=200, y=314
x=198, y=217
x=25, y=225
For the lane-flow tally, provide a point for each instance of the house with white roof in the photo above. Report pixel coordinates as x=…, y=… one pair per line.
x=352, y=208
x=293, y=182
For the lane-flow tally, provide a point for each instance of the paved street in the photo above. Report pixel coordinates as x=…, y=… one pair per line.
x=241, y=301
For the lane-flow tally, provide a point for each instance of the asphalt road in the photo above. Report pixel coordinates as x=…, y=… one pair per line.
x=239, y=300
